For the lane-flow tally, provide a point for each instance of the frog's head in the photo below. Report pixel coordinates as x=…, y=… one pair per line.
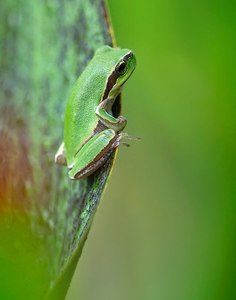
x=118, y=64
x=121, y=64
x=125, y=66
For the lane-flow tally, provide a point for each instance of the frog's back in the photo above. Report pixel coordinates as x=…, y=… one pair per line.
x=80, y=115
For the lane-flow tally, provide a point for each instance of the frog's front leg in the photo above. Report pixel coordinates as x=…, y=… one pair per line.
x=117, y=124
x=94, y=153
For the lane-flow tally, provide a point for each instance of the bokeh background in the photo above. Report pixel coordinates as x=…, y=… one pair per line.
x=165, y=228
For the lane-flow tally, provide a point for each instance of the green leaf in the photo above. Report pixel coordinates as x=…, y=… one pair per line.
x=45, y=216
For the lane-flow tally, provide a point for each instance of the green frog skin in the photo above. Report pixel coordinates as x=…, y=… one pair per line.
x=91, y=130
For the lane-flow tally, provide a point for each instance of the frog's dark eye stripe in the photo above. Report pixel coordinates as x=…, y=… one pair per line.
x=121, y=67
x=111, y=81
x=128, y=56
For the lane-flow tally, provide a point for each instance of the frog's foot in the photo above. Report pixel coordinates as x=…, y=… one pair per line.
x=95, y=153
x=129, y=137
x=60, y=157
x=126, y=136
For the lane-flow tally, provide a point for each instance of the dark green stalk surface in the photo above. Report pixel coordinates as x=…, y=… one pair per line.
x=44, y=46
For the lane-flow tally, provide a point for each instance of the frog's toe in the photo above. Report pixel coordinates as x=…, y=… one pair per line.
x=60, y=156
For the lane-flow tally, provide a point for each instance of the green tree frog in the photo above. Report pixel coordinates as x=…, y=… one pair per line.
x=92, y=127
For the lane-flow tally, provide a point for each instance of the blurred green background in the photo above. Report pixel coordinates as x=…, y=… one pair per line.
x=166, y=226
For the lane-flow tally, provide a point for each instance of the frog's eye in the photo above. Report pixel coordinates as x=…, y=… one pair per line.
x=121, y=68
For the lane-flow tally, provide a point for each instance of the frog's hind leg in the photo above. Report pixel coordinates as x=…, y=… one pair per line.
x=94, y=153
x=92, y=167
x=60, y=157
